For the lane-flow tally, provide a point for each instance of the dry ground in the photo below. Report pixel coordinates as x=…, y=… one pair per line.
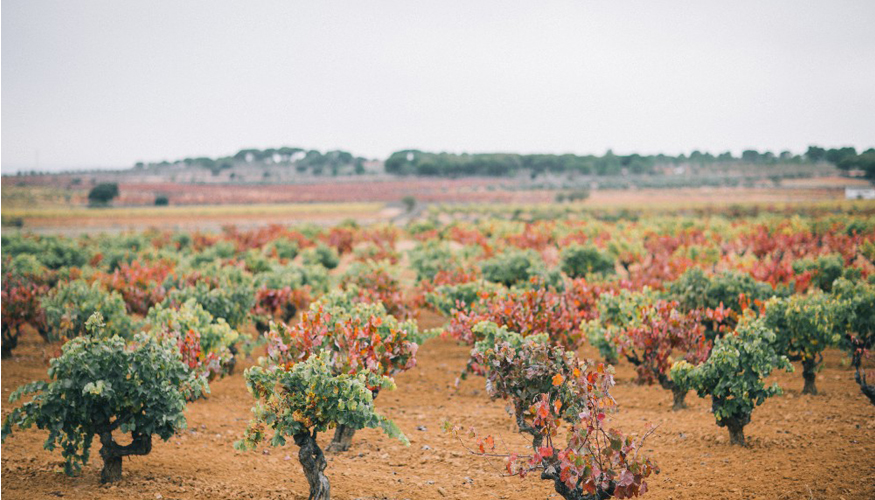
x=799, y=447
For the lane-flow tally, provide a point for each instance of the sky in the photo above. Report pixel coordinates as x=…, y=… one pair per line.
x=104, y=84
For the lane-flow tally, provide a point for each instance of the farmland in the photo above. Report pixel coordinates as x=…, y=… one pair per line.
x=608, y=312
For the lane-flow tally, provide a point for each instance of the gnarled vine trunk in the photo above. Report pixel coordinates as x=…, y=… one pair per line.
x=809, y=374
x=343, y=435
x=523, y=426
x=10, y=342
x=112, y=453
x=552, y=473
x=233, y=362
x=736, y=432
x=867, y=389
x=735, y=423
x=313, y=461
x=679, y=395
x=735, y=426
x=342, y=439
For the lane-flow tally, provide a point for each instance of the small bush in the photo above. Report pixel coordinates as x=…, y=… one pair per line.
x=579, y=261
x=98, y=385
x=68, y=307
x=318, y=398
x=321, y=255
x=734, y=375
x=513, y=267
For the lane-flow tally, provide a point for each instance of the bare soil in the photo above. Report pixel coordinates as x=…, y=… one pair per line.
x=798, y=447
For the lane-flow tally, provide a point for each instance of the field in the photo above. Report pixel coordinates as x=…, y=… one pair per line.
x=797, y=445
x=51, y=204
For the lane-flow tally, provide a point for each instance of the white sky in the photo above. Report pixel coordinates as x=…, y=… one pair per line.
x=108, y=83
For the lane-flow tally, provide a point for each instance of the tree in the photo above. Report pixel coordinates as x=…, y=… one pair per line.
x=305, y=398
x=98, y=385
x=161, y=200
x=734, y=375
x=103, y=193
x=865, y=161
x=815, y=153
x=836, y=155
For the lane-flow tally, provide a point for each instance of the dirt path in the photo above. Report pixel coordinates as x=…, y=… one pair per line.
x=800, y=447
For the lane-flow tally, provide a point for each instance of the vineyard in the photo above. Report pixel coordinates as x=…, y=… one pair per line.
x=467, y=354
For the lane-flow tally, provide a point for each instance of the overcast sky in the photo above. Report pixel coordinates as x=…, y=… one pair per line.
x=108, y=83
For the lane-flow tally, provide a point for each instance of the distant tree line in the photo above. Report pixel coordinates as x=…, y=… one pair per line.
x=303, y=160
x=846, y=159
x=414, y=162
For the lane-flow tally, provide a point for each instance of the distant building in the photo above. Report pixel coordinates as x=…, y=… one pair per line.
x=860, y=193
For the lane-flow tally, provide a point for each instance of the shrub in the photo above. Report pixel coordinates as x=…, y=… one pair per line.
x=256, y=262
x=282, y=248
x=429, y=258
x=377, y=282
x=513, y=267
x=220, y=250
x=69, y=305
x=161, y=200
x=98, y=385
x=54, y=252
x=294, y=277
x=207, y=344
x=734, y=375
x=309, y=397
x=20, y=306
x=730, y=290
x=278, y=304
x=805, y=326
x=227, y=294
x=361, y=338
x=26, y=266
x=374, y=252
x=547, y=387
x=527, y=312
x=661, y=333
x=341, y=238
x=617, y=312
x=140, y=285
x=856, y=322
x=579, y=261
x=322, y=255
x=824, y=270
x=462, y=297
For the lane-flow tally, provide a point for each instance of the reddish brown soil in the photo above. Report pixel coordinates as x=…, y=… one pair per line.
x=799, y=447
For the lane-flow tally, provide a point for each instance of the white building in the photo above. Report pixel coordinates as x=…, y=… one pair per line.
x=860, y=193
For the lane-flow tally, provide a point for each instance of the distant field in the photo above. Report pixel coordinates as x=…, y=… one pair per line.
x=74, y=220
x=53, y=208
